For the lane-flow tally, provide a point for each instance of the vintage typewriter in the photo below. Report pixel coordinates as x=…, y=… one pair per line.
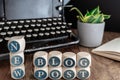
x=41, y=22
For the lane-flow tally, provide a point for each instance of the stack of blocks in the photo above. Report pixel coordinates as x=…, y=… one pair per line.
x=83, y=65
x=50, y=65
x=16, y=46
x=69, y=64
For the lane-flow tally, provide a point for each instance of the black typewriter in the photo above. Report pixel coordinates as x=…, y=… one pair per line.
x=41, y=31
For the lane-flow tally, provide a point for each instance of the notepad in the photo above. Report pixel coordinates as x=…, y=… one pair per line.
x=110, y=49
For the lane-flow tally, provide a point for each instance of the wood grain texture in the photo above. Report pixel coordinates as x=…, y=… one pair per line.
x=101, y=69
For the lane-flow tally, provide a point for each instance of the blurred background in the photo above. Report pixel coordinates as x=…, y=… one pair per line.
x=107, y=7
x=111, y=7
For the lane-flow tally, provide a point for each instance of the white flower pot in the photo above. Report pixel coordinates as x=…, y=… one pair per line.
x=90, y=34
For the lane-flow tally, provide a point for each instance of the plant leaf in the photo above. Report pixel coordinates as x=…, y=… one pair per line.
x=95, y=11
x=99, y=18
x=89, y=19
x=106, y=16
x=87, y=14
x=80, y=18
x=79, y=12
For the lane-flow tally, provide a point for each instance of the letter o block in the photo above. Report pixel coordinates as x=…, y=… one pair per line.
x=16, y=59
x=41, y=73
x=16, y=44
x=18, y=72
x=55, y=58
x=83, y=59
x=69, y=73
x=40, y=59
x=83, y=73
x=55, y=73
x=69, y=59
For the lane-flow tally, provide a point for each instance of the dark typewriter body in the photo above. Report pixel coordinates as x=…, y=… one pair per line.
x=40, y=22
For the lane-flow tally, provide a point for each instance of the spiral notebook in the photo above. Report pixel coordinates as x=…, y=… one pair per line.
x=110, y=49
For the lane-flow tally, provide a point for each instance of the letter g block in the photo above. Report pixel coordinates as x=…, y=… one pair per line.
x=83, y=59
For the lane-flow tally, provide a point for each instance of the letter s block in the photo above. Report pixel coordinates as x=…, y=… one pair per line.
x=55, y=59
x=18, y=72
x=41, y=73
x=16, y=44
x=83, y=73
x=40, y=59
x=69, y=73
x=69, y=59
x=16, y=59
x=55, y=73
x=83, y=59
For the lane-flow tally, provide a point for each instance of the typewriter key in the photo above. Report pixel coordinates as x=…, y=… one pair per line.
x=2, y=23
x=15, y=22
x=39, y=20
x=21, y=21
x=1, y=39
x=33, y=21
x=27, y=21
x=8, y=22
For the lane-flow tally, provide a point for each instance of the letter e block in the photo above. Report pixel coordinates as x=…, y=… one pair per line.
x=16, y=59
x=83, y=59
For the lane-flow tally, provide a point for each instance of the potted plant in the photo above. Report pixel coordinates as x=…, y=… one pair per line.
x=91, y=27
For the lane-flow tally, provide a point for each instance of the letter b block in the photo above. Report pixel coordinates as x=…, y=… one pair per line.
x=40, y=59
x=17, y=72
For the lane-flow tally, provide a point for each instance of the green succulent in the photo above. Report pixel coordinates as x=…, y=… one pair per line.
x=93, y=16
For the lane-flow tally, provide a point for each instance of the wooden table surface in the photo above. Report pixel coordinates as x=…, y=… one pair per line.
x=101, y=69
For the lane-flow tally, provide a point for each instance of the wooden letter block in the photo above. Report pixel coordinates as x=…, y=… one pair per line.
x=83, y=73
x=16, y=59
x=55, y=59
x=69, y=73
x=55, y=73
x=16, y=44
x=69, y=59
x=18, y=72
x=83, y=59
x=40, y=59
x=41, y=73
